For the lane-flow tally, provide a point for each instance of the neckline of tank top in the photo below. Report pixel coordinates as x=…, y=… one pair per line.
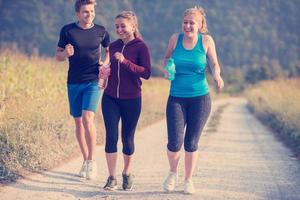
x=199, y=35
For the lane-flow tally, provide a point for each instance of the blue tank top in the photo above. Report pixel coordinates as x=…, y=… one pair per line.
x=190, y=79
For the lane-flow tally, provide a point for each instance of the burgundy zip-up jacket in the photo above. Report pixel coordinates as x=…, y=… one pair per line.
x=124, y=80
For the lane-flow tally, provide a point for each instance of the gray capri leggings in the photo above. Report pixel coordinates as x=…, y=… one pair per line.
x=190, y=113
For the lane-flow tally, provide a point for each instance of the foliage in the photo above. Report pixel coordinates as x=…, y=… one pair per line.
x=36, y=131
x=248, y=33
x=277, y=104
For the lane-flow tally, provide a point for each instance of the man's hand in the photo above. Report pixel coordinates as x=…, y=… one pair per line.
x=69, y=50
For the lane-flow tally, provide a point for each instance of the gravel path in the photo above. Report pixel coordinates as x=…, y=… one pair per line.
x=240, y=160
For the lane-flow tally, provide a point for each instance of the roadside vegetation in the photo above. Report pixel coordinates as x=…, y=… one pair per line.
x=276, y=103
x=36, y=131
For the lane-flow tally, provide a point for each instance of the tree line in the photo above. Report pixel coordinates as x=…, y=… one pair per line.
x=255, y=39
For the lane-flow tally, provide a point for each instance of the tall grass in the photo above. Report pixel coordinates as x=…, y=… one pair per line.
x=34, y=124
x=277, y=103
x=36, y=131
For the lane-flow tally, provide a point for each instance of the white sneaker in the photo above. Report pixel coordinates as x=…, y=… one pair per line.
x=189, y=187
x=170, y=182
x=91, y=171
x=82, y=172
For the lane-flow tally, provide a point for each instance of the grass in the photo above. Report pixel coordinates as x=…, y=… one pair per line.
x=34, y=122
x=277, y=104
x=36, y=131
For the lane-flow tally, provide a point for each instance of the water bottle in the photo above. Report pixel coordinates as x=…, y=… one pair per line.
x=170, y=67
x=104, y=74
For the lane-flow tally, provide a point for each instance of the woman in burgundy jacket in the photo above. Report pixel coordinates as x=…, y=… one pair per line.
x=130, y=61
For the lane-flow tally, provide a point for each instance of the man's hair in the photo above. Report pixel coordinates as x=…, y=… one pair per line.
x=80, y=3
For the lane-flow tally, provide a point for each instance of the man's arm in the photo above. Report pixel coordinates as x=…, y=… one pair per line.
x=60, y=54
x=106, y=58
x=63, y=53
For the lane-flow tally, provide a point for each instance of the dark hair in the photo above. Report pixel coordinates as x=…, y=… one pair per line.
x=80, y=3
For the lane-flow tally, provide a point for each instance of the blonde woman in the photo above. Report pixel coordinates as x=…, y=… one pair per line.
x=189, y=102
x=130, y=61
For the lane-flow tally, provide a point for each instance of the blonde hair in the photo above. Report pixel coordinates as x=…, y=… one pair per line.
x=200, y=14
x=129, y=15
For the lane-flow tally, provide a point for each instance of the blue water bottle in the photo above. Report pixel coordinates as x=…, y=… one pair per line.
x=170, y=67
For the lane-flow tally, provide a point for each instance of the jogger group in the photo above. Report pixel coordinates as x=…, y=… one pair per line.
x=126, y=61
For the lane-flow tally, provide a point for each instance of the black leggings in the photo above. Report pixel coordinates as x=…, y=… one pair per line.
x=191, y=113
x=129, y=111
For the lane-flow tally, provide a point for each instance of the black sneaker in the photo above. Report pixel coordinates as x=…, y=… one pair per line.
x=127, y=181
x=111, y=183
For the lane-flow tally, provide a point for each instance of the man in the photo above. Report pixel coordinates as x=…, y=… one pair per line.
x=80, y=43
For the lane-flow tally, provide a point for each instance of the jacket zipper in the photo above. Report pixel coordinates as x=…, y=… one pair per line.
x=118, y=87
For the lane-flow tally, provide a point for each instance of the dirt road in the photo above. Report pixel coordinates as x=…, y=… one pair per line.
x=240, y=160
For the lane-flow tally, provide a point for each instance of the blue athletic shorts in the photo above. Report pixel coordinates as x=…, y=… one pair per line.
x=84, y=96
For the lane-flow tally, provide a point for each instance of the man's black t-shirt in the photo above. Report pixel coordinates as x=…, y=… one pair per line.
x=83, y=65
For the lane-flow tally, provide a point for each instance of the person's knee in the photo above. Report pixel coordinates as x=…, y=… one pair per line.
x=191, y=146
x=88, y=118
x=128, y=146
x=111, y=145
x=174, y=147
x=78, y=122
x=128, y=150
x=111, y=148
